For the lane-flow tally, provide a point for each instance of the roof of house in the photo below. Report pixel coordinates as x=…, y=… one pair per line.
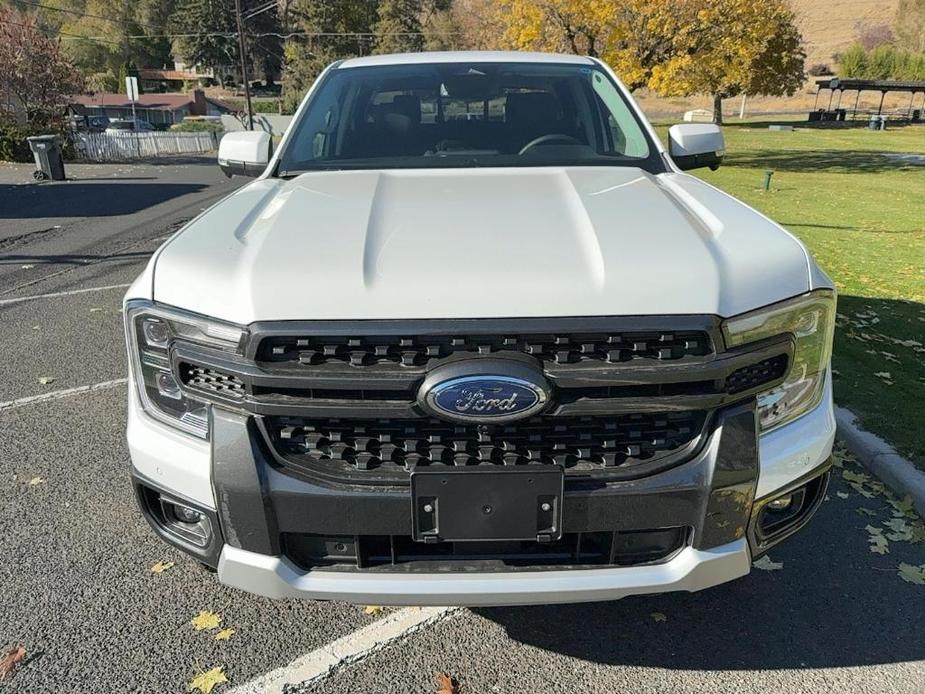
x=162, y=102
x=158, y=102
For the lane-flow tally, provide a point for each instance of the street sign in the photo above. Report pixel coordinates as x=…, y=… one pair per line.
x=131, y=88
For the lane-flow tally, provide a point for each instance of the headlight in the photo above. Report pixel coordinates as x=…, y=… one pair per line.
x=811, y=320
x=150, y=332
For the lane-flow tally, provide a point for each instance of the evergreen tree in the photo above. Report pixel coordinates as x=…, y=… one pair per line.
x=213, y=21
x=306, y=56
x=398, y=27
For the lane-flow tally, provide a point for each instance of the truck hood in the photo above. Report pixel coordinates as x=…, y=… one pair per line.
x=478, y=243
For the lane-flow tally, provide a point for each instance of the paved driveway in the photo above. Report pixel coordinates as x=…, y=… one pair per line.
x=77, y=590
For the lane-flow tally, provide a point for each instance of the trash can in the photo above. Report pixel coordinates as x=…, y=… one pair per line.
x=49, y=162
x=877, y=123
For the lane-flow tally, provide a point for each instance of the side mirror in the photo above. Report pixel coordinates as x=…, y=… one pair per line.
x=244, y=153
x=695, y=145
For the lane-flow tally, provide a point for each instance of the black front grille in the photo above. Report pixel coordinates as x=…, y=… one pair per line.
x=340, y=401
x=576, y=443
x=401, y=553
x=421, y=349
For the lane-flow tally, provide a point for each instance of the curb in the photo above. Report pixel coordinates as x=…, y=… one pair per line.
x=882, y=459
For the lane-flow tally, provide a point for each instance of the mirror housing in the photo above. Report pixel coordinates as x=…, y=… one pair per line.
x=244, y=153
x=695, y=145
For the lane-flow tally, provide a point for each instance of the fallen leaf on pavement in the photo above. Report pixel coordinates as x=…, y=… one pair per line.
x=372, y=609
x=856, y=477
x=162, y=566
x=205, y=682
x=658, y=617
x=879, y=544
x=11, y=658
x=447, y=684
x=45, y=380
x=903, y=508
x=912, y=574
x=765, y=564
x=225, y=634
x=36, y=480
x=206, y=620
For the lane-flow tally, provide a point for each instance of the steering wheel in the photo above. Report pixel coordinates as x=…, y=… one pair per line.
x=552, y=138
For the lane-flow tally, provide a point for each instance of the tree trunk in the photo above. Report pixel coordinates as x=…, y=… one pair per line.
x=718, y=109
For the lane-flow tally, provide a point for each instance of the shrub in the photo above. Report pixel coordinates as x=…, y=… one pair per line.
x=13, y=144
x=259, y=106
x=197, y=126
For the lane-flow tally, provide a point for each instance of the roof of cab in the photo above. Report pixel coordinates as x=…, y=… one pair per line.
x=464, y=57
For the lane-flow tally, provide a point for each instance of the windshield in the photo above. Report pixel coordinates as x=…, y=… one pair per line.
x=464, y=115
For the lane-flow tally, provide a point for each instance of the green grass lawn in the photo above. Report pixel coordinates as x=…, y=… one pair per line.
x=861, y=212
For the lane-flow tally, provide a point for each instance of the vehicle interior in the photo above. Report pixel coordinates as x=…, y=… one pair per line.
x=478, y=114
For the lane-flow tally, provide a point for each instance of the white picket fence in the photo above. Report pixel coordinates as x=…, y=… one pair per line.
x=128, y=146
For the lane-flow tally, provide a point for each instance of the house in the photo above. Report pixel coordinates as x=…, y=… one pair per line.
x=172, y=79
x=157, y=109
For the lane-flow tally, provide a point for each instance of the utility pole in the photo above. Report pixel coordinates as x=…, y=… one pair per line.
x=247, y=86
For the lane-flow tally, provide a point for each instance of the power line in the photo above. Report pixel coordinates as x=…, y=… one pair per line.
x=81, y=14
x=61, y=34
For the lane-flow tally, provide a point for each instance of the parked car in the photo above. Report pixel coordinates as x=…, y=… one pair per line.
x=520, y=358
x=93, y=124
x=128, y=125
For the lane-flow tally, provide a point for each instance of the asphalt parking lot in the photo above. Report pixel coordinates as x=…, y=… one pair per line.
x=77, y=590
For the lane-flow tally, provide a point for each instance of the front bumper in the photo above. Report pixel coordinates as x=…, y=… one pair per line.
x=254, y=505
x=689, y=570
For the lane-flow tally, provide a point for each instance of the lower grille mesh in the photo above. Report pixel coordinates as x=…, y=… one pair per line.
x=581, y=443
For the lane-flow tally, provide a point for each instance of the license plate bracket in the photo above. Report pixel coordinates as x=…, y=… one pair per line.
x=472, y=505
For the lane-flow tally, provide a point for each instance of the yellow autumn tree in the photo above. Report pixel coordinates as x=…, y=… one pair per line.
x=676, y=47
x=630, y=35
x=733, y=47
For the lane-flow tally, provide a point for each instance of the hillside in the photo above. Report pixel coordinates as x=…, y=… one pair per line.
x=828, y=26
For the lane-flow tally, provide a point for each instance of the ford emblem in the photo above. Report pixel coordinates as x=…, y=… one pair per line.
x=485, y=398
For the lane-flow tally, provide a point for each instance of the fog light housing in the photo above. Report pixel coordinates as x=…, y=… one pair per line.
x=185, y=514
x=781, y=503
x=776, y=518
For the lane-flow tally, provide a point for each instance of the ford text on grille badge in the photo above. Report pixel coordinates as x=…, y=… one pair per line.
x=489, y=397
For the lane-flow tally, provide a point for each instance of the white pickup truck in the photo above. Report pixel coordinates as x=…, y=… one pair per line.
x=472, y=336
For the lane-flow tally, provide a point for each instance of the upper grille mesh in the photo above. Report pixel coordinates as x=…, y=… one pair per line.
x=211, y=381
x=419, y=350
x=754, y=375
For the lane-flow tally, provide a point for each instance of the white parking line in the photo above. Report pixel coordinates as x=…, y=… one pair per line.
x=58, y=394
x=16, y=300
x=325, y=661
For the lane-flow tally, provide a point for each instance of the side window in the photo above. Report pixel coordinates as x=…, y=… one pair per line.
x=627, y=136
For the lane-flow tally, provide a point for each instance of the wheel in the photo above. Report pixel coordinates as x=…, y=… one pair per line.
x=39, y=175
